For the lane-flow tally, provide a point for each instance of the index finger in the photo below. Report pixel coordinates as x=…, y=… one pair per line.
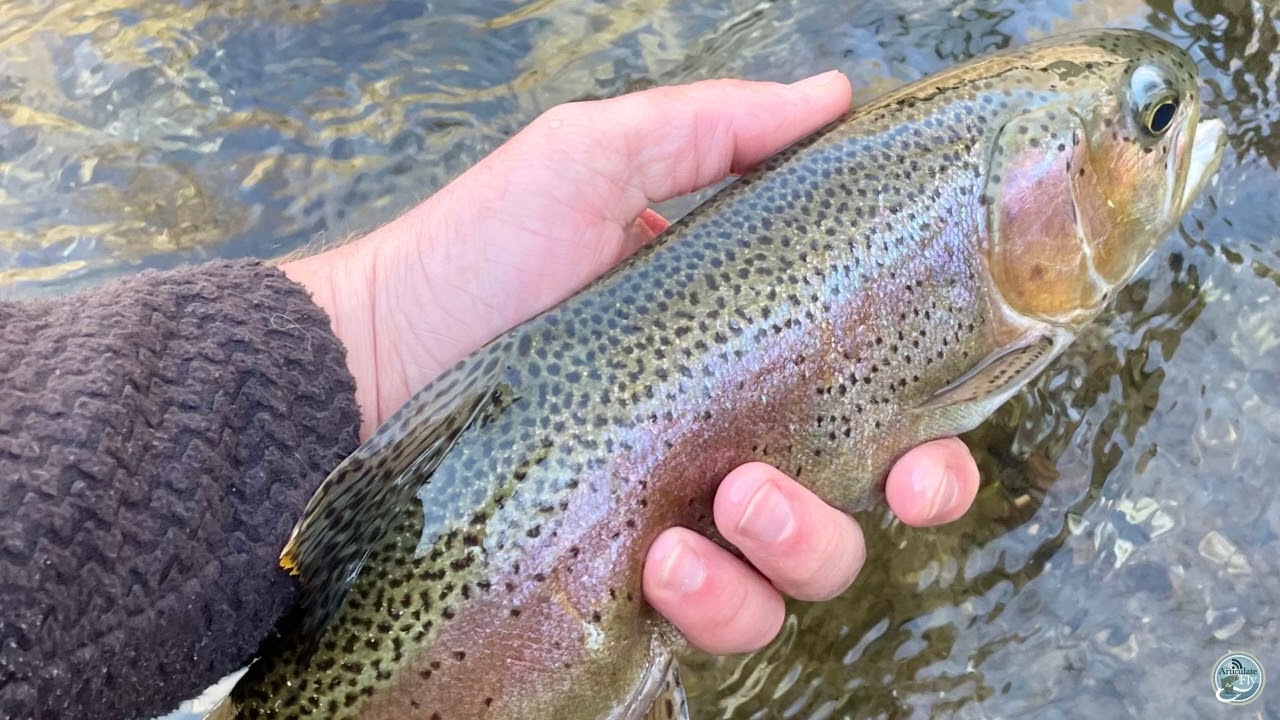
x=669, y=141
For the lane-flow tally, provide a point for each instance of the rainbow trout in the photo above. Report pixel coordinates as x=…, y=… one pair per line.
x=892, y=279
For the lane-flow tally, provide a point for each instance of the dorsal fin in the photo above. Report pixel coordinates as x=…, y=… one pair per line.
x=355, y=506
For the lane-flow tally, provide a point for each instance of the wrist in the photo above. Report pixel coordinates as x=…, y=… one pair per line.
x=339, y=282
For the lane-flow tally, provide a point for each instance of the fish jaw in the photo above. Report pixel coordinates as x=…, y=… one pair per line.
x=1207, y=149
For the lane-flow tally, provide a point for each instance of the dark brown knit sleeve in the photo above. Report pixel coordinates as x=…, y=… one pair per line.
x=158, y=439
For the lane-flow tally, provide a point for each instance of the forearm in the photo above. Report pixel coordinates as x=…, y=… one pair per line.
x=158, y=439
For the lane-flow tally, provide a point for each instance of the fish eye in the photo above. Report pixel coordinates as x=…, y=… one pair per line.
x=1156, y=101
x=1158, y=119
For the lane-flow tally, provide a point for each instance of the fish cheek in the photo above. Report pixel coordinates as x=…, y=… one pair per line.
x=1119, y=189
x=1035, y=252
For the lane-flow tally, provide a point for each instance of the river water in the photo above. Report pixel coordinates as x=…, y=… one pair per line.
x=1128, y=531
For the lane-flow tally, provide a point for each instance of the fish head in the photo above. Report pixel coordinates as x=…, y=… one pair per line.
x=1088, y=176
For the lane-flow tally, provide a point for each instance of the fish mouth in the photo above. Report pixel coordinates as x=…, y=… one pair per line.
x=1208, y=144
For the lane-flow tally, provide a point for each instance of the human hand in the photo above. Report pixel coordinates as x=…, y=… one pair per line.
x=538, y=219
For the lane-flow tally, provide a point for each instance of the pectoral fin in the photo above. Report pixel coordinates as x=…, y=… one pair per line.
x=224, y=710
x=670, y=702
x=356, y=505
x=998, y=377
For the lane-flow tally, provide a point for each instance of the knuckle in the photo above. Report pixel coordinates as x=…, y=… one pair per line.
x=557, y=115
x=750, y=625
x=565, y=126
x=827, y=568
x=732, y=605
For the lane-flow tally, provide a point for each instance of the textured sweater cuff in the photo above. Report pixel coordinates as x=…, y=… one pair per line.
x=159, y=437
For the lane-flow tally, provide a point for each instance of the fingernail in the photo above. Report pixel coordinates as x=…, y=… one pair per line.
x=944, y=488
x=768, y=516
x=684, y=570
x=816, y=81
